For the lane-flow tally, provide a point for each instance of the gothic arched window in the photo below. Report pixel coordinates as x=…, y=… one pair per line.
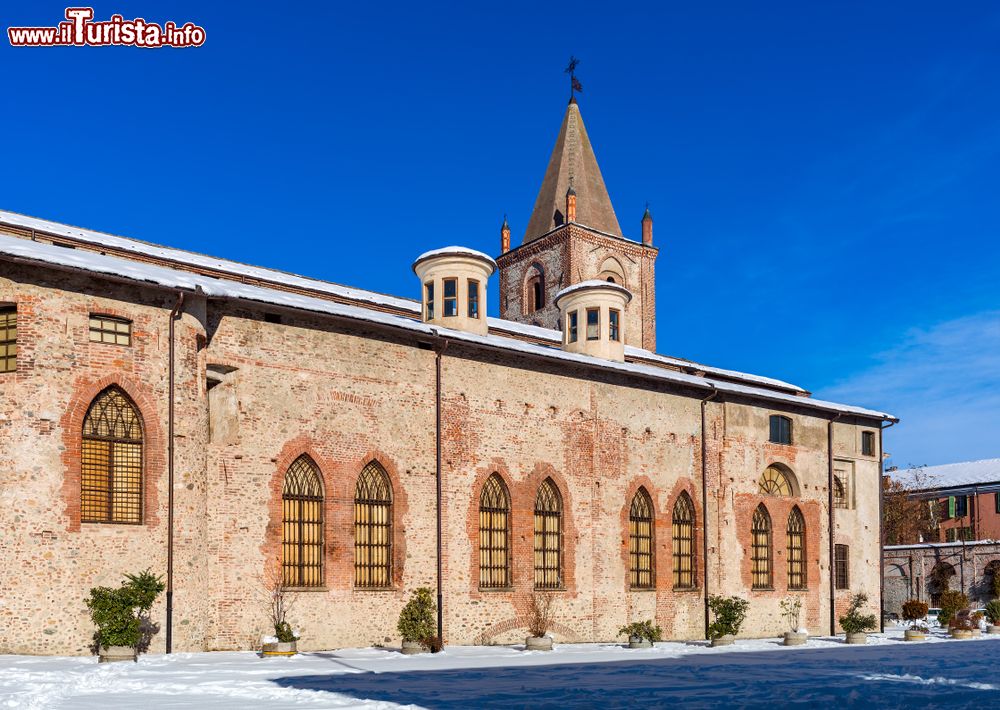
x=302, y=525
x=494, y=534
x=760, y=549
x=796, y=550
x=683, y=539
x=548, y=536
x=111, y=460
x=640, y=541
x=373, y=528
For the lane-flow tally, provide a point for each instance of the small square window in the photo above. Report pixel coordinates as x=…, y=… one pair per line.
x=111, y=330
x=8, y=339
x=867, y=443
x=473, y=299
x=614, y=318
x=571, y=328
x=429, y=304
x=451, y=297
x=781, y=430
x=593, y=324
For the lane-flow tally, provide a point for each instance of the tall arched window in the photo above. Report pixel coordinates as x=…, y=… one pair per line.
x=796, y=549
x=640, y=541
x=774, y=482
x=373, y=528
x=494, y=534
x=548, y=536
x=302, y=525
x=839, y=493
x=760, y=551
x=111, y=461
x=683, y=537
x=534, y=289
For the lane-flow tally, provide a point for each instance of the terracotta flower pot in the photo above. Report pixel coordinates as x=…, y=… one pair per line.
x=726, y=640
x=538, y=643
x=278, y=649
x=114, y=654
x=639, y=642
x=858, y=637
x=795, y=638
x=410, y=648
x=914, y=635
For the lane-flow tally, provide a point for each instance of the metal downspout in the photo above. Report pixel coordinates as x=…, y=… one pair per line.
x=174, y=314
x=881, y=529
x=438, y=473
x=704, y=500
x=830, y=525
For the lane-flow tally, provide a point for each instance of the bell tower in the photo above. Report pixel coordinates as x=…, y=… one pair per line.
x=573, y=236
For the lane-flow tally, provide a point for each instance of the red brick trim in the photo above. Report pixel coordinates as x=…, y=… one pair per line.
x=523, y=519
x=400, y=509
x=472, y=525
x=154, y=445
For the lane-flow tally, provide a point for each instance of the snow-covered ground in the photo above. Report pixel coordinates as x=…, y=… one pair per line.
x=752, y=673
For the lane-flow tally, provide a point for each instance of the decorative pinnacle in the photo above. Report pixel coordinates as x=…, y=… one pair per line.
x=574, y=83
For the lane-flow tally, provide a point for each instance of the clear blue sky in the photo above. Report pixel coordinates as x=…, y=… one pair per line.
x=825, y=181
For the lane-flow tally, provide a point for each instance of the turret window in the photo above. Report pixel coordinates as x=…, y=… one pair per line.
x=593, y=324
x=429, y=304
x=571, y=326
x=450, y=297
x=614, y=317
x=473, y=299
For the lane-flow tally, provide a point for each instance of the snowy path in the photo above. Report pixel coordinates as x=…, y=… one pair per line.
x=759, y=673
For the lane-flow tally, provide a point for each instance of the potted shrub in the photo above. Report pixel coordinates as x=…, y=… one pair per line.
x=417, y=622
x=729, y=615
x=279, y=603
x=791, y=609
x=539, y=619
x=641, y=634
x=854, y=623
x=977, y=623
x=952, y=601
x=915, y=612
x=993, y=616
x=960, y=626
x=122, y=616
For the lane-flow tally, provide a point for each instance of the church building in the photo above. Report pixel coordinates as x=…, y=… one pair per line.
x=221, y=423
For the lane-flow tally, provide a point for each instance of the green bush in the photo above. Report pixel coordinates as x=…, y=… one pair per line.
x=643, y=630
x=417, y=621
x=854, y=621
x=119, y=613
x=729, y=615
x=952, y=602
x=914, y=610
x=993, y=612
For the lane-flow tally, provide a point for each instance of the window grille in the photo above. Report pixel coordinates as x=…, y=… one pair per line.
x=302, y=525
x=640, y=539
x=841, y=554
x=774, y=482
x=8, y=339
x=796, y=550
x=494, y=535
x=760, y=556
x=548, y=537
x=108, y=329
x=111, y=461
x=373, y=528
x=781, y=429
x=473, y=299
x=613, y=319
x=683, y=539
x=839, y=493
x=593, y=324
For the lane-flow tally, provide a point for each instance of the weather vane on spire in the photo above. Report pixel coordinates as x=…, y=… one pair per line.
x=574, y=83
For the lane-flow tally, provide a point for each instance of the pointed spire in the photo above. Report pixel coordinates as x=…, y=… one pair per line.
x=647, y=226
x=572, y=157
x=504, y=236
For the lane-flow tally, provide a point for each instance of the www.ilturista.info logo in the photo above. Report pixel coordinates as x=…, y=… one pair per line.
x=80, y=30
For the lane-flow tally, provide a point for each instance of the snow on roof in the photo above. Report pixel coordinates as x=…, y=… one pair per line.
x=221, y=288
x=456, y=251
x=632, y=351
x=589, y=284
x=950, y=475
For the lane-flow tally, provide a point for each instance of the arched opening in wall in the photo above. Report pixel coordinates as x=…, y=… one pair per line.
x=302, y=525
x=373, y=528
x=611, y=270
x=760, y=549
x=939, y=581
x=548, y=536
x=991, y=581
x=839, y=493
x=898, y=589
x=494, y=534
x=533, y=298
x=682, y=534
x=778, y=480
x=796, y=534
x=111, y=460
x=640, y=541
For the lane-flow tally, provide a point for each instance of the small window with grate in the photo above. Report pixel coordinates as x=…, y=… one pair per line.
x=781, y=430
x=109, y=329
x=841, y=554
x=8, y=339
x=867, y=443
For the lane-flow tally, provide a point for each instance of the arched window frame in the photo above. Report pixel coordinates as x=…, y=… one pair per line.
x=494, y=534
x=839, y=493
x=373, y=528
x=302, y=548
x=112, y=458
x=761, y=550
x=796, y=539
x=682, y=534
x=548, y=525
x=534, y=289
x=776, y=480
x=641, y=541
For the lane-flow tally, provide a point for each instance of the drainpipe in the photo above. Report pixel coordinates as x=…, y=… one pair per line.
x=174, y=314
x=437, y=441
x=704, y=499
x=829, y=507
x=881, y=529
